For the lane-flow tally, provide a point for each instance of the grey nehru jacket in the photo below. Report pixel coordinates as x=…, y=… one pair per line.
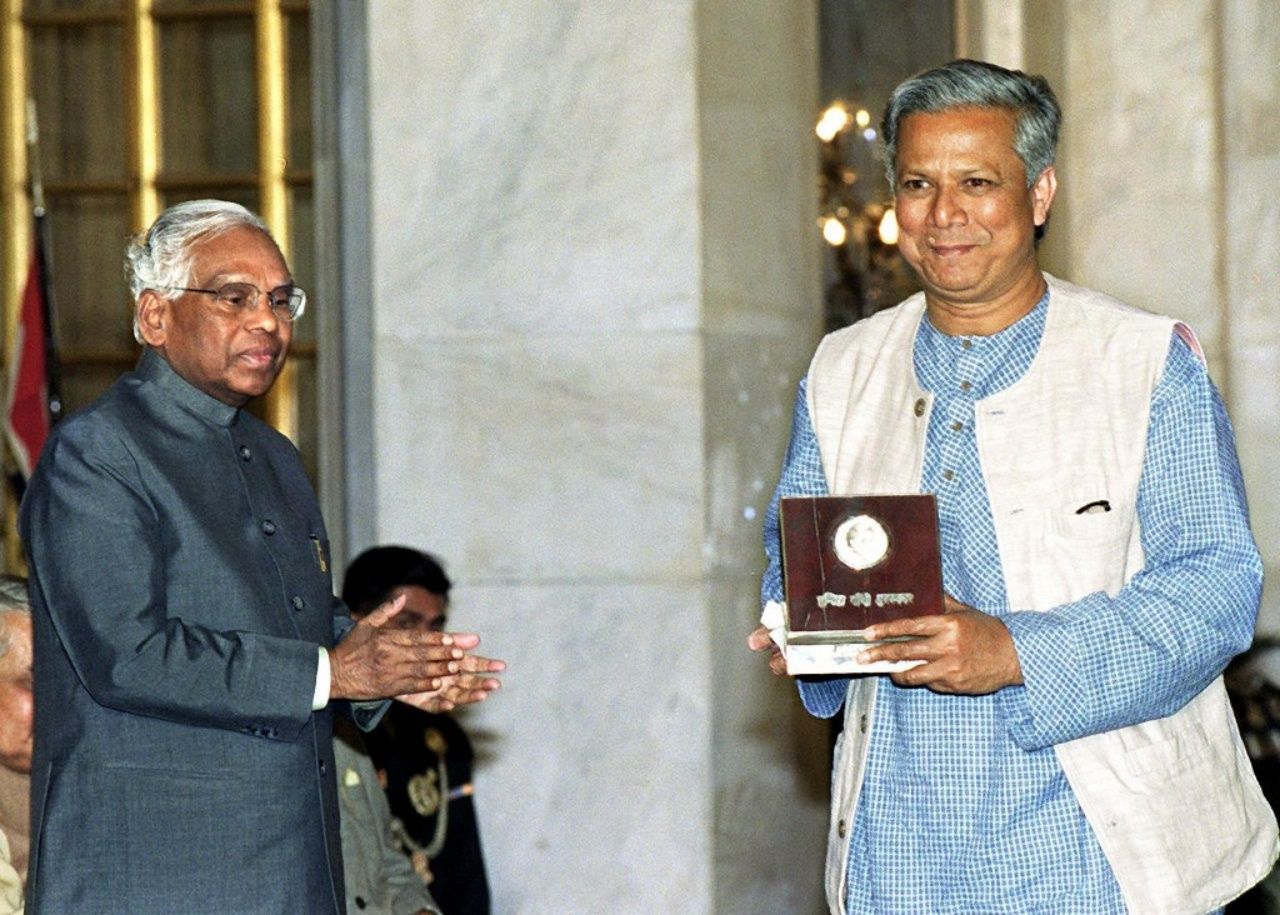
x=180, y=587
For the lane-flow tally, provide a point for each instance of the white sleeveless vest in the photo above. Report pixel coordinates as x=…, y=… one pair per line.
x=1173, y=802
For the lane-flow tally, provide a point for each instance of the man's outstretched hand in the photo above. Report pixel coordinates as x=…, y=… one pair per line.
x=433, y=671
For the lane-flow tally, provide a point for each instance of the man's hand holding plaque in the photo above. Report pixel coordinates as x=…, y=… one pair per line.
x=851, y=564
x=962, y=651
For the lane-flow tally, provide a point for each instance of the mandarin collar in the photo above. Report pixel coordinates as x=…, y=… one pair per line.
x=988, y=363
x=154, y=368
x=1029, y=325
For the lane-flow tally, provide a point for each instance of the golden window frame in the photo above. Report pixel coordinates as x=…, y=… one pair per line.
x=146, y=182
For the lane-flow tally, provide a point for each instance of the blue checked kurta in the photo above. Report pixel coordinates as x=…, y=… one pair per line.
x=964, y=807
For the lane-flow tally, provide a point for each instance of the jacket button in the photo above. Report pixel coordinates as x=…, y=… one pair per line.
x=323, y=767
x=841, y=829
x=268, y=527
x=245, y=453
x=298, y=602
x=919, y=406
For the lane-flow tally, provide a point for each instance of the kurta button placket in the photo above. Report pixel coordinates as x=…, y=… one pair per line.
x=919, y=407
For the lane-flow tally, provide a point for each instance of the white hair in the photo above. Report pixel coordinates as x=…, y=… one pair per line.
x=159, y=259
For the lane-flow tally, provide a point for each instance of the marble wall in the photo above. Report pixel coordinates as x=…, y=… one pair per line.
x=1247, y=237
x=594, y=286
x=1171, y=143
x=594, y=283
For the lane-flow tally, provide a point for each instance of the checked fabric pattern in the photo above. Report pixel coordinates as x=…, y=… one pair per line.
x=964, y=808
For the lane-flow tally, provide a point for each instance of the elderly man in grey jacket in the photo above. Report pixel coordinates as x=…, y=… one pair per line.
x=189, y=652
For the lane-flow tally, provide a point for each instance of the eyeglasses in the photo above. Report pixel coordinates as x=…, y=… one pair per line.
x=236, y=299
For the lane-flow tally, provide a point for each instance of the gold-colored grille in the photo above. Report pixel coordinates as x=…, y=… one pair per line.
x=141, y=104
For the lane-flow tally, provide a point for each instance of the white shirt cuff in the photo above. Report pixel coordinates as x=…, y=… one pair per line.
x=321, y=697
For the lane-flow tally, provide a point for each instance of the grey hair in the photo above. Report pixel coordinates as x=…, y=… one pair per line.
x=978, y=84
x=160, y=258
x=13, y=599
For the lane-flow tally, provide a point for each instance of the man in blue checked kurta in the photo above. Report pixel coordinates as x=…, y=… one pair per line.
x=1066, y=746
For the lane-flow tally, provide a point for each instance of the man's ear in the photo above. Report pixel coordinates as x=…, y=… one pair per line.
x=1042, y=194
x=153, y=318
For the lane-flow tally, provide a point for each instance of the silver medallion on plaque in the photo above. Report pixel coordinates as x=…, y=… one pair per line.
x=861, y=542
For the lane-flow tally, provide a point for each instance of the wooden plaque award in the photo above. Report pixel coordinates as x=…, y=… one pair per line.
x=849, y=562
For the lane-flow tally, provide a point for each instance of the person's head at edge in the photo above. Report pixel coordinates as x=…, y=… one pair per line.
x=213, y=296
x=383, y=573
x=969, y=150
x=16, y=701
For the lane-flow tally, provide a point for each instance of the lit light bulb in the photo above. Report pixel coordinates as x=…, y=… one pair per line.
x=862, y=117
x=833, y=120
x=888, y=228
x=834, y=232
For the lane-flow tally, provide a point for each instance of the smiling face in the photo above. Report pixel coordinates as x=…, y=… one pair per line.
x=967, y=218
x=232, y=358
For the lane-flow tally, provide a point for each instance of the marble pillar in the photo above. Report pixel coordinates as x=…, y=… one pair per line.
x=1247, y=236
x=1170, y=131
x=1170, y=144
x=594, y=287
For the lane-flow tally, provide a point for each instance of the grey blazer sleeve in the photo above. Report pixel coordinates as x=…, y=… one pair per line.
x=89, y=523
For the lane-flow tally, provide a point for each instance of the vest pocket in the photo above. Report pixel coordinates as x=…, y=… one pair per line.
x=1163, y=759
x=1053, y=556
x=1091, y=521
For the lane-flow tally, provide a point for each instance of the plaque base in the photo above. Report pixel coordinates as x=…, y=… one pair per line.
x=827, y=651
x=837, y=658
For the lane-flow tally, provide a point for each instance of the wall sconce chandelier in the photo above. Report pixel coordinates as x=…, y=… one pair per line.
x=857, y=224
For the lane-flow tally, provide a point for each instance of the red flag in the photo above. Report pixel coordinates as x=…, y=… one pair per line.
x=27, y=410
